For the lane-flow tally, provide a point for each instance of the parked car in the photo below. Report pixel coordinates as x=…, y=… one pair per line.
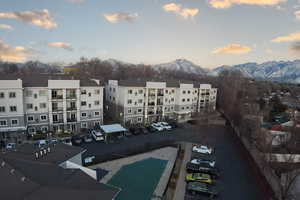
x=199, y=177
x=76, y=140
x=134, y=131
x=165, y=126
x=202, y=149
x=87, y=138
x=127, y=133
x=157, y=126
x=196, y=188
x=11, y=146
x=67, y=141
x=199, y=161
x=97, y=135
x=151, y=129
x=41, y=143
x=194, y=168
x=143, y=130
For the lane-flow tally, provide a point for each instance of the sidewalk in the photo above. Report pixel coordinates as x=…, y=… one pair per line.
x=181, y=184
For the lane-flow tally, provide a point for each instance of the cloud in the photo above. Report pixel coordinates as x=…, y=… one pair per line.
x=221, y=4
x=41, y=18
x=76, y=1
x=13, y=54
x=288, y=38
x=179, y=10
x=297, y=14
x=117, y=17
x=6, y=27
x=269, y=51
x=232, y=49
x=62, y=45
x=295, y=48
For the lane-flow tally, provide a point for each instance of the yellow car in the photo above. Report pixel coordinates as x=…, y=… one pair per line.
x=199, y=177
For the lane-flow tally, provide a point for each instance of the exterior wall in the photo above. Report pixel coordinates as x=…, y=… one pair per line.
x=8, y=87
x=159, y=101
x=37, y=106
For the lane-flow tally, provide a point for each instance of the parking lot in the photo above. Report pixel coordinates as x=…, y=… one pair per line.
x=237, y=181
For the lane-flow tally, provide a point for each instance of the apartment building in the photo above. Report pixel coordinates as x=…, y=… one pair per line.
x=141, y=102
x=44, y=103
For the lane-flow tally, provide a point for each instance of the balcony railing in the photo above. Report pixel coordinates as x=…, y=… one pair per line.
x=71, y=120
x=71, y=108
x=57, y=96
x=71, y=96
x=57, y=109
x=58, y=121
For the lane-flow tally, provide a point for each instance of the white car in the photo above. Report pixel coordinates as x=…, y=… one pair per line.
x=165, y=125
x=203, y=161
x=10, y=145
x=157, y=126
x=97, y=135
x=202, y=149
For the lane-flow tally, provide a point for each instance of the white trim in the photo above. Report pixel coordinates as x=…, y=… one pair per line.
x=14, y=124
x=39, y=124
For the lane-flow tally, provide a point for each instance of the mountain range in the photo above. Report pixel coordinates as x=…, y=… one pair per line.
x=283, y=71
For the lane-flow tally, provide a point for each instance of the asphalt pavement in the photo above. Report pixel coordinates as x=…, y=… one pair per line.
x=238, y=180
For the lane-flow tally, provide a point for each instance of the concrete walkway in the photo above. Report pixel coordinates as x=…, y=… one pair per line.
x=168, y=153
x=181, y=184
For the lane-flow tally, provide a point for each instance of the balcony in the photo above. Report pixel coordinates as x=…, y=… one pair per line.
x=57, y=109
x=160, y=94
x=71, y=96
x=151, y=103
x=151, y=94
x=71, y=108
x=71, y=120
x=59, y=121
x=151, y=113
x=57, y=97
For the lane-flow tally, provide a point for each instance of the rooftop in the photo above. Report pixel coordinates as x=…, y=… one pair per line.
x=41, y=80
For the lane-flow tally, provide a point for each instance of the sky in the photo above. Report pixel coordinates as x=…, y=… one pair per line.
x=209, y=33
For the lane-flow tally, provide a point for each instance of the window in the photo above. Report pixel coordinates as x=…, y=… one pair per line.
x=172, y=99
x=110, y=89
x=90, y=94
x=84, y=125
x=97, y=113
x=29, y=106
x=129, y=101
x=140, y=100
x=140, y=91
x=13, y=108
x=114, y=98
x=187, y=107
x=43, y=117
x=183, y=100
x=139, y=119
x=167, y=91
x=83, y=114
x=44, y=128
x=195, y=91
x=182, y=108
x=83, y=92
x=172, y=108
x=12, y=95
x=30, y=118
x=189, y=92
x=83, y=103
x=31, y=130
x=90, y=105
x=3, y=123
x=140, y=110
x=36, y=108
x=43, y=105
x=188, y=100
x=35, y=96
x=183, y=92
x=129, y=91
x=55, y=118
x=2, y=108
x=97, y=91
x=42, y=92
x=97, y=103
x=114, y=89
x=173, y=91
x=28, y=93
x=129, y=111
x=14, y=122
x=2, y=95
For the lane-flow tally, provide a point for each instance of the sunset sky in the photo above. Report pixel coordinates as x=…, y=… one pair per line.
x=208, y=32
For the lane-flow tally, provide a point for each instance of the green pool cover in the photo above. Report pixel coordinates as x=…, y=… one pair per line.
x=138, y=180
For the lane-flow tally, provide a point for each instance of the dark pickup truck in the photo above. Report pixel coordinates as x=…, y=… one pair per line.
x=194, y=168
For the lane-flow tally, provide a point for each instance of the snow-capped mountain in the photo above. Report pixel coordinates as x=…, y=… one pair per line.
x=285, y=71
x=182, y=65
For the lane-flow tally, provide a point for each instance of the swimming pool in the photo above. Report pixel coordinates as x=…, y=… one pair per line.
x=138, y=180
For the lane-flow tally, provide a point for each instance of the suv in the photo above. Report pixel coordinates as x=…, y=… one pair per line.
x=199, y=161
x=196, y=188
x=165, y=126
x=97, y=135
x=157, y=126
